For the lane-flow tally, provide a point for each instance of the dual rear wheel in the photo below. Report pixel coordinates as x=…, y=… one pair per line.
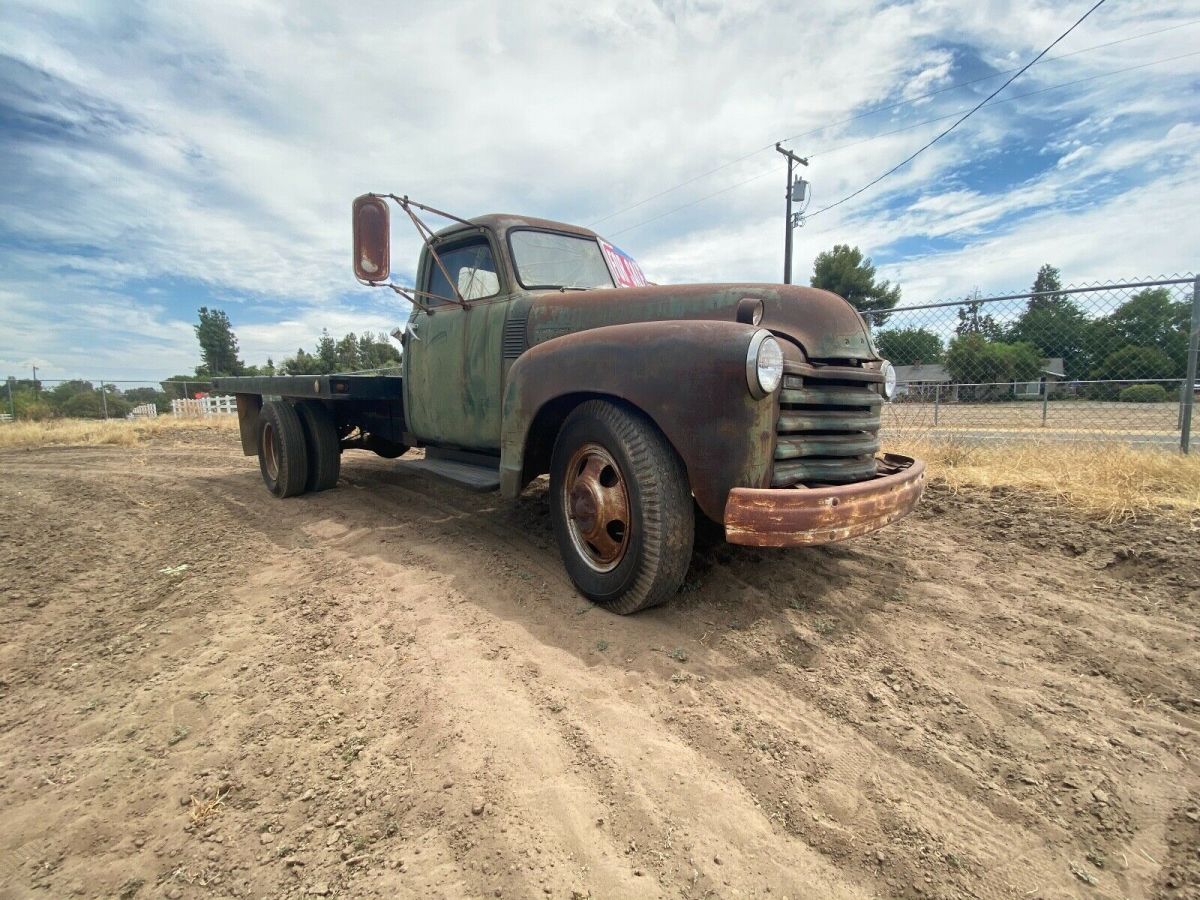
x=298, y=448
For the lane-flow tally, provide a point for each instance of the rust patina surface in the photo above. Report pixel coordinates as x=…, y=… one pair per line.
x=499, y=374
x=790, y=517
x=688, y=377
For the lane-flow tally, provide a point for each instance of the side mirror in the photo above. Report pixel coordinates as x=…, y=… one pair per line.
x=372, y=237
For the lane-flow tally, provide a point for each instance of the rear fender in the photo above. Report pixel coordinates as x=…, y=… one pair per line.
x=689, y=377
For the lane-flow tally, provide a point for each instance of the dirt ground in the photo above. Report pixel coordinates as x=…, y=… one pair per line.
x=391, y=690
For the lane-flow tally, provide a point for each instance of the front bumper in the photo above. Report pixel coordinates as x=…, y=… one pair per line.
x=794, y=517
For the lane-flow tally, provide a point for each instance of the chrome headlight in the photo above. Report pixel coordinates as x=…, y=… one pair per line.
x=764, y=364
x=888, y=371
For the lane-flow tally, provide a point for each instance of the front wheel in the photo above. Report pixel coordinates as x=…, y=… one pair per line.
x=621, y=507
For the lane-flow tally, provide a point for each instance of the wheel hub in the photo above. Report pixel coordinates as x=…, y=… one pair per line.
x=597, y=507
x=270, y=451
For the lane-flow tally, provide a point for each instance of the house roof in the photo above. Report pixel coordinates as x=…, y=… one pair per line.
x=935, y=373
x=929, y=372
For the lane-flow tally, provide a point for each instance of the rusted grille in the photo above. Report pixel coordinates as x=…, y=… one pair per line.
x=828, y=428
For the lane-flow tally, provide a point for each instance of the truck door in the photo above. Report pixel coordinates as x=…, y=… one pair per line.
x=448, y=390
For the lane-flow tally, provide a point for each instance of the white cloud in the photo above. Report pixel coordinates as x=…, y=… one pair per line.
x=221, y=143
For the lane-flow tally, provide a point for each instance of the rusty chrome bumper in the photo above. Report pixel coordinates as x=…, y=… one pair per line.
x=794, y=517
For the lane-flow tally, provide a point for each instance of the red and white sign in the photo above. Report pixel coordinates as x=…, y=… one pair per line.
x=625, y=270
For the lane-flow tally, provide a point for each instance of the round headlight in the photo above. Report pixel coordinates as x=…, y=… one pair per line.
x=889, y=380
x=764, y=364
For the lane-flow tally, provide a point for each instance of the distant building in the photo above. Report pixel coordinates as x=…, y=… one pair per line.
x=925, y=382
x=930, y=381
x=1053, y=371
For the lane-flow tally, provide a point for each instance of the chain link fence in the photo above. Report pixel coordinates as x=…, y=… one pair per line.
x=46, y=398
x=1084, y=363
x=1113, y=361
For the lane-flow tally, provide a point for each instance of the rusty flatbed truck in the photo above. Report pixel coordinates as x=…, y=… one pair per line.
x=536, y=347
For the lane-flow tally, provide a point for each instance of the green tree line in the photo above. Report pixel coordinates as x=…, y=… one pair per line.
x=76, y=399
x=1144, y=338
x=220, y=355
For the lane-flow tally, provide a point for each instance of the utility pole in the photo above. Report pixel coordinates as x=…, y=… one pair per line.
x=12, y=407
x=793, y=160
x=36, y=393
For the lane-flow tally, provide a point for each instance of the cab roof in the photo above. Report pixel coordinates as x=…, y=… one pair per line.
x=504, y=222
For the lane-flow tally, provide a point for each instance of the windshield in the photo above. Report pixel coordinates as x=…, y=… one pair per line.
x=545, y=259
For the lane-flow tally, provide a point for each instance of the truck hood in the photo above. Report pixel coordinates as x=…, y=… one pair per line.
x=819, y=322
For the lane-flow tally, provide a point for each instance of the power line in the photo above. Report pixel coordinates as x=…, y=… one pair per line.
x=876, y=137
x=1053, y=87
x=961, y=84
x=872, y=112
x=968, y=115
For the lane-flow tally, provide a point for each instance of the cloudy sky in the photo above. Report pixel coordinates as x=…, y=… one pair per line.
x=158, y=157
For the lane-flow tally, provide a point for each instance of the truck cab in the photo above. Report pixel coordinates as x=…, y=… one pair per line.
x=536, y=347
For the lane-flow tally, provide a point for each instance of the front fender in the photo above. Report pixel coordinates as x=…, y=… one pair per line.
x=687, y=376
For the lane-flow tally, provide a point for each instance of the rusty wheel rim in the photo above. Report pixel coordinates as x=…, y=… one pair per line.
x=596, y=505
x=270, y=453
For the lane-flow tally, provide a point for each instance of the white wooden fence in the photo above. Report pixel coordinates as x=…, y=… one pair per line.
x=145, y=411
x=204, y=407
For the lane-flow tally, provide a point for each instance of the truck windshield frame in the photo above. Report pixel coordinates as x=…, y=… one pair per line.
x=588, y=270
x=438, y=290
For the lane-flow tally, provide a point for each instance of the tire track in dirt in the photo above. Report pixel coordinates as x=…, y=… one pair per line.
x=950, y=708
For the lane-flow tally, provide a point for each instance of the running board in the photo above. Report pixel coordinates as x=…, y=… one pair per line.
x=473, y=471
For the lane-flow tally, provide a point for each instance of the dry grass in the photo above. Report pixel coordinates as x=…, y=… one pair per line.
x=114, y=432
x=1114, y=482
x=202, y=809
x=1111, y=481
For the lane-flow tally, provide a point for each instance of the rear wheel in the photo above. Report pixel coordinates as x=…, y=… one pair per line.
x=621, y=507
x=321, y=442
x=282, y=453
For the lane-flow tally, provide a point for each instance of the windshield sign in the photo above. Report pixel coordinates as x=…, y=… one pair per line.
x=626, y=272
x=544, y=259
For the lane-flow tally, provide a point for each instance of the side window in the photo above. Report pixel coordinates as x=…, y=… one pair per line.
x=472, y=268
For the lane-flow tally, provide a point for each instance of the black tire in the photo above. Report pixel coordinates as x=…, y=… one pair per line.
x=609, y=458
x=282, y=453
x=324, y=448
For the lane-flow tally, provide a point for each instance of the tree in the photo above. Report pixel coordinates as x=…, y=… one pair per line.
x=218, y=343
x=90, y=405
x=1150, y=318
x=1058, y=329
x=844, y=271
x=186, y=387
x=909, y=346
x=375, y=351
x=63, y=392
x=1132, y=363
x=349, y=359
x=971, y=359
x=1047, y=282
x=350, y=354
x=141, y=395
x=971, y=320
x=327, y=353
x=29, y=401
